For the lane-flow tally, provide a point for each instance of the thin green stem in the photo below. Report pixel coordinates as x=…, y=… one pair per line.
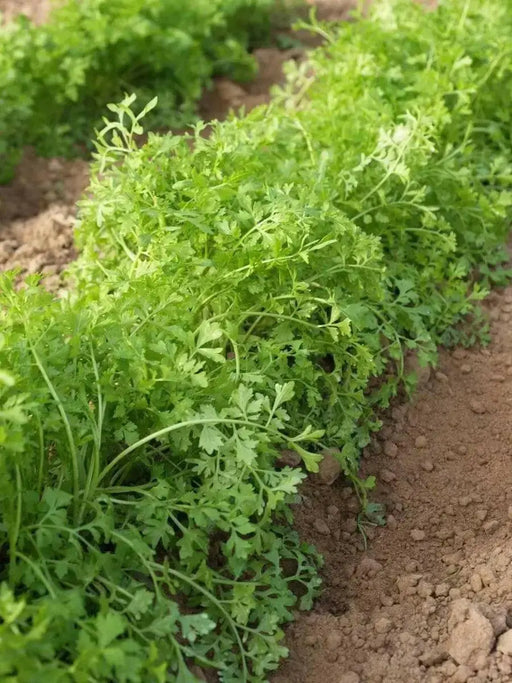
x=64, y=417
x=94, y=466
x=40, y=474
x=214, y=601
x=37, y=570
x=15, y=531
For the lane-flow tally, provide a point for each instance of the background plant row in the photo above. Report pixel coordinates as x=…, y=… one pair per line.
x=56, y=79
x=235, y=296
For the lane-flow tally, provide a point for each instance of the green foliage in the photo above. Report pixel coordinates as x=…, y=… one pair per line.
x=235, y=296
x=56, y=79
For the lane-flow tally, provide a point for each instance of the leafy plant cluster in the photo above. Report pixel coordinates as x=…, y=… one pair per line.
x=235, y=296
x=56, y=79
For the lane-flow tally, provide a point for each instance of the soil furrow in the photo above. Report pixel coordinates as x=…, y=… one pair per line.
x=431, y=596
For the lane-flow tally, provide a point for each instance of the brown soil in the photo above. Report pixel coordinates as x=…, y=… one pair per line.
x=36, y=10
x=40, y=183
x=225, y=95
x=392, y=613
x=37, y=211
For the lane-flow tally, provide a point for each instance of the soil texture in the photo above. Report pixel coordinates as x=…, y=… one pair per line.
x=428, y=597
x=36, y=10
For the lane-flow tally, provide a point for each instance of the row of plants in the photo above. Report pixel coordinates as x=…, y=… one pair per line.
x=236, y=296
x=56, y=79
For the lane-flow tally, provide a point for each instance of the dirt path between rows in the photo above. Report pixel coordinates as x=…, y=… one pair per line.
x=430, y=600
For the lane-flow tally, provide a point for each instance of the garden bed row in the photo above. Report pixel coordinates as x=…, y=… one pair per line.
x=236, y=297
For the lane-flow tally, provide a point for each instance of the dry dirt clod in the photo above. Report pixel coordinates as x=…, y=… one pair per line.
x=477, y=407
x=496, y=616
x=465, y=369
x=350, y=677
x=411, y=567
x=391, y=522
x=464, y=501
x=311, y=640
x=476, y=583
x=288, y=458
x=333, y=640
x=418, y=535
x=433, y=657
x=331, y=656
x=472, y=637
x=55, y=166
x=462, y=674
x=427, y=465
x=329, y=468
x=321, y=526
x=442, y=590
x=425, y=589
x=444, y=534
x=390, y=449
x=408, y=582
x=386, y=600
x=448, y=669
x=452, y=558
x=368, y=567
x=420, y=441
x=504, y=665
x=505, y=643
x=383, y=625
x=487, y=574
x=350, y=525
x=482, y=514
x=387, y=476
